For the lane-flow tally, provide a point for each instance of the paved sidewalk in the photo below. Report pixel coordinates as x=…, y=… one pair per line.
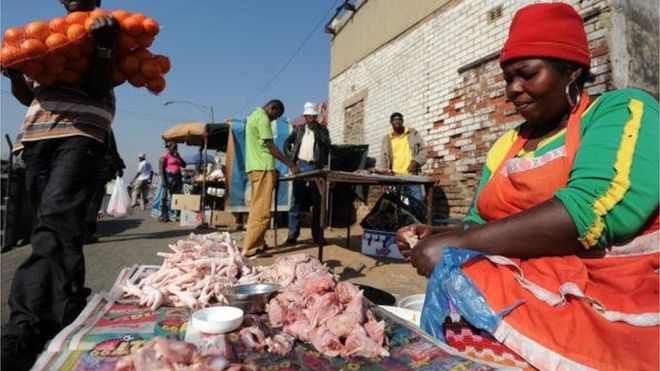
x=136, y=239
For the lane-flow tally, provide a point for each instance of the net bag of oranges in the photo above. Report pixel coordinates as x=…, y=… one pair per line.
x=59, y=51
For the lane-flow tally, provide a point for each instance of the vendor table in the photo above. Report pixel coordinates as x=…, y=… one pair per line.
x=324, y=178
x=110, y=327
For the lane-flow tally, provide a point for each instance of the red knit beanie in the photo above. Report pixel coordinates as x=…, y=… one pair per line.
x=553, y=30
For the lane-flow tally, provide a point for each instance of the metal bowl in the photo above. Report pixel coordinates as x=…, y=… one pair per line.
x=253, y=297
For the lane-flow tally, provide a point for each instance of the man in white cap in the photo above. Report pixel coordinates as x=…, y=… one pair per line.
x=308, y=146
x=141, y=182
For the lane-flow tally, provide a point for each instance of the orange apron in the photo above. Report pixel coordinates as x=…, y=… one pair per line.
x=576, y=313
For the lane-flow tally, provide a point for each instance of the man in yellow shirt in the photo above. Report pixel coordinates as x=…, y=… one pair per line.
x=403, y=151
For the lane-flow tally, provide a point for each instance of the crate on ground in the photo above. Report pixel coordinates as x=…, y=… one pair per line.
x=190, y=218
x=381, y=244
x=186, y=202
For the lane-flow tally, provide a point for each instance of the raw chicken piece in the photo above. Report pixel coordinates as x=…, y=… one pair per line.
x=376, y=330
x=253, y=337
x=275, y=313
x=280, y=344
x=301, y=329
x=358, y=343
x=326, y=342
x=324, y=308
x=343, y=324
x=196, y=274
x=346, y=291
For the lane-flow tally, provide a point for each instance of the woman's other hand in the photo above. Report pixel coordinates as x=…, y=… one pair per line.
x=411, y=234
x=429, y=251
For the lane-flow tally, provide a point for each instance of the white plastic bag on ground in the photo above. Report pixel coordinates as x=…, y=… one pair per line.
x=120, y=201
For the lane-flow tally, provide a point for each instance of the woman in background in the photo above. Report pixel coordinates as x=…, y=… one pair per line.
x=171, y=165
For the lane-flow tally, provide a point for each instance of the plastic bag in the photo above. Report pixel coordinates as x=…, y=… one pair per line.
x=449, y=287
x=120, y=201
x=395, y=209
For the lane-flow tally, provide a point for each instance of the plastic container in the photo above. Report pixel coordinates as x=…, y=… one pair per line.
x=217, y=320
x=413, y=302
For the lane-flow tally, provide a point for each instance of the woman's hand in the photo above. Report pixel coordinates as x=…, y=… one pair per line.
x=409, y=234
x=428, y=252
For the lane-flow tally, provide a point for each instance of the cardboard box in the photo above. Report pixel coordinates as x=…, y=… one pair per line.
x=186, y=202
x=380, y=244
x=189, y=218
x=220, y=218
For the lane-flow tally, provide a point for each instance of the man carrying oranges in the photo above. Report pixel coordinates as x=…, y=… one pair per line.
x=62, y=142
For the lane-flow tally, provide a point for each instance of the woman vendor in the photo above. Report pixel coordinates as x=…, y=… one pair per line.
x=557, y=262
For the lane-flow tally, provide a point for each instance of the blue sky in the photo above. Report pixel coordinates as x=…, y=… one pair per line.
x=223, y=53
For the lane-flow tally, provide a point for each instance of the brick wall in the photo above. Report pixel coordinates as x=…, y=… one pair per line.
x=460, y=114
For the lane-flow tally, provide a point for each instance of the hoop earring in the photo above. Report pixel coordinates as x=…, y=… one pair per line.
x=569, y=97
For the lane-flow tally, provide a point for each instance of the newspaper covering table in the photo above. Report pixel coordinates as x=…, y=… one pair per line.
x=110, y=328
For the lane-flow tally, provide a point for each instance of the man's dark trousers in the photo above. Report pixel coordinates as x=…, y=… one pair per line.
x=48, y=290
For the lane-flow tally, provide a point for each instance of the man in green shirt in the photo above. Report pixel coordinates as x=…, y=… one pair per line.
x=261, y=153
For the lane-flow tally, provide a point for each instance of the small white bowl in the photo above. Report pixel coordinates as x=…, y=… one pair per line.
x=414, y=302
x=217, y=320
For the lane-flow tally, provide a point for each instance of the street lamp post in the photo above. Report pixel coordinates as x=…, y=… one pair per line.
x=206, y=109
x=203, y=152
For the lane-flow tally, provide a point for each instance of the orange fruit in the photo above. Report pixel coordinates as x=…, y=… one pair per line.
x=164, y=63
x=98, y=13
x=69, y=76
x=13, y=35
x=77, y=18
x=75, y=32
x=137, y=80
x=58, y=25
x=156, y=85
x=80, y=65
x=150, y=69
x=144, y=41
x=129, y=64
x=118, y=77
x=126, y=41
x=151, y=27
x=139, y=17
x=55, y=63
x=120, y=15
x=74, y=52
x=132, y=26
x=56, y=40
x=47, y=79
x=8, y=55
x=34, y=67
x=88, y=23
x=87, y=45
x=37, y=30
x=31, y=48
x=142, y=54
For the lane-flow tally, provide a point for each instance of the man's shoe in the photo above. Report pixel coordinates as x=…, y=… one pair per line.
x=291, y=241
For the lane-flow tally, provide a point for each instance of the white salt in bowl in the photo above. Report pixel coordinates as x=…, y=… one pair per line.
x=217, y=320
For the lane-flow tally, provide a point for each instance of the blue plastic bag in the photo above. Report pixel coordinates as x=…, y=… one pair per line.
x=448, y=284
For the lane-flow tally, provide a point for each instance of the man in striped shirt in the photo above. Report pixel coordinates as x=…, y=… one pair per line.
x=62, y=143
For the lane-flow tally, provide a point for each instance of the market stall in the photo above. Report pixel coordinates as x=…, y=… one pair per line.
x=327, y=177
x=118, y=326
x=205, y=136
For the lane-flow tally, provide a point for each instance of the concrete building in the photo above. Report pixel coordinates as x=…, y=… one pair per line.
x=436, y=61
